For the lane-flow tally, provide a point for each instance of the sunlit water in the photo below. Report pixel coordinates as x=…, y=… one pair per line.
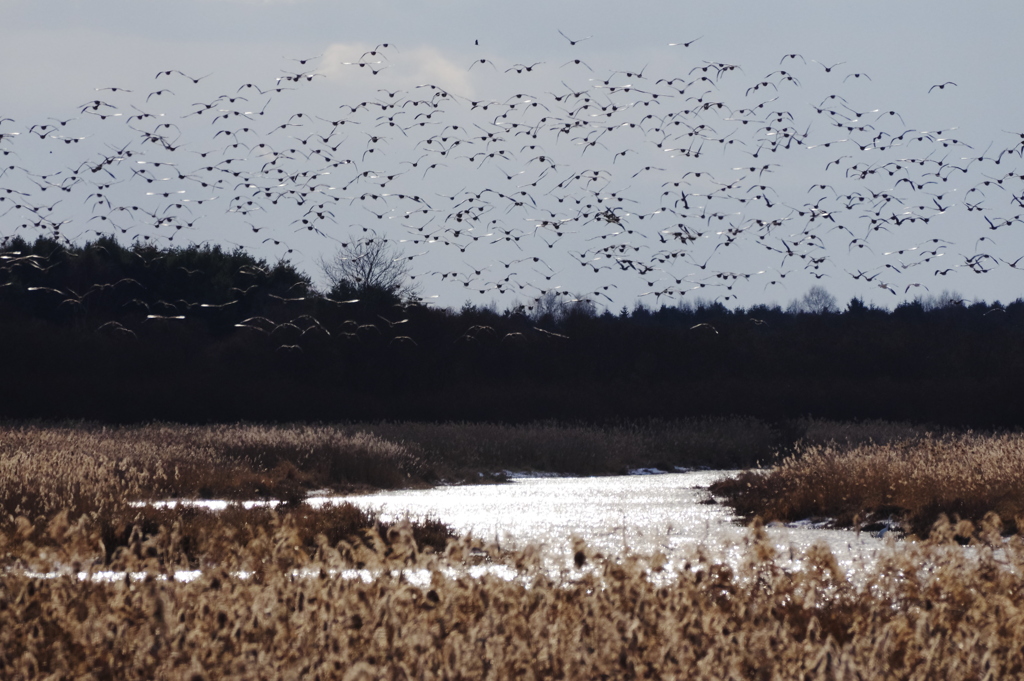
x=640, y=514
x=665, y=513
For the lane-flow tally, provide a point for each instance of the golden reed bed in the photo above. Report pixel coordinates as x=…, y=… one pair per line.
x=924, y=611
x=909, y=478
x=272, y=599
x=84, y=467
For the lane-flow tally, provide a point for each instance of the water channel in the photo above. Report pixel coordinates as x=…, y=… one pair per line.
x=668, y=512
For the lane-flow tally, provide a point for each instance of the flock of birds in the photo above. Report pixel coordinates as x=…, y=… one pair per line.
x=540, y=178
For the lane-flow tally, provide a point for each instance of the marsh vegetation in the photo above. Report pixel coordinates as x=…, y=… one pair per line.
x=276, y=608
x=91, y=584
x=97, y=476
x=886, y=473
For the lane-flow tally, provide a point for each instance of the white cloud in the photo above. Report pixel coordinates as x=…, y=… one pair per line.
x=395, y=70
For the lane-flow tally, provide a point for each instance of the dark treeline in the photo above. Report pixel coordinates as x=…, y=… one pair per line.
x=115, y=333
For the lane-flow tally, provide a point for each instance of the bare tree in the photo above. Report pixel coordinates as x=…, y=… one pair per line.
x=817, y=300
x=560, y=304
x=369, y=266
x=943, y=300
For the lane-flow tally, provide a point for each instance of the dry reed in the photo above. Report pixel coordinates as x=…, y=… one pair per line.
x=912, y=479
x=273, y=598
x=932, y=610
x=88, y=476
x=85, y=467
x=457, y=448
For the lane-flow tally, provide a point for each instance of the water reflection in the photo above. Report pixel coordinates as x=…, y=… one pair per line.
x=640, y=513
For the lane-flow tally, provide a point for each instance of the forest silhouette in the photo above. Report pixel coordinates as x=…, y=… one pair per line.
x=117, y=333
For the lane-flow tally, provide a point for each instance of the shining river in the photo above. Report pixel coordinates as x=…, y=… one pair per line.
x=643, y=514
x=639, y=513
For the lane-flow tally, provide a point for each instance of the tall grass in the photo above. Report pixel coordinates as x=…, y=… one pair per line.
x=925, y=611
x=88, y=476
x=91, y=474
x=84, y=467
x=581, y=448
x=911, y=478
x=812, y=431
x=273, y=598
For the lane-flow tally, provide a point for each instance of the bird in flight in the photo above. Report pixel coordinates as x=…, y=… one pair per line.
x=573, y=42
x=193, y=79
x=828, y=69
x=306, y=60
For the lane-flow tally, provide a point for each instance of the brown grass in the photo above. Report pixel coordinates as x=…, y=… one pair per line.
x=913, y=479
x=621, y=618
x=273, y=601
x=89, y=474
x=461, y=448
x=810, y=431
x=192, y=538
x=84, y=467
x=87, y=477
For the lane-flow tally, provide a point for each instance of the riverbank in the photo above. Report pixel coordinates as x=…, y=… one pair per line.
x=855, y=474
x=82, y=467
x=94, y=477
x=908, y=480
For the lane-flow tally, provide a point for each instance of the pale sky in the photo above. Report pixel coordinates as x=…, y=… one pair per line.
x=828, y=126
